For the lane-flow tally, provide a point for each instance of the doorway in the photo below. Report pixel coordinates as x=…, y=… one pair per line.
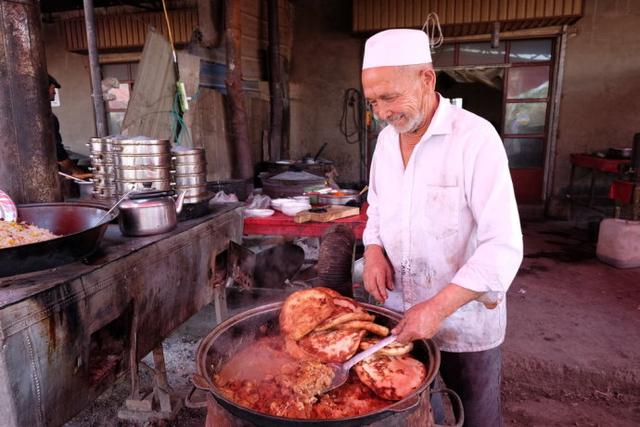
x=509, y=85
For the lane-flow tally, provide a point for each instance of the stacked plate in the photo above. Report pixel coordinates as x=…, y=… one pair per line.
x=191, y=174
x=142, y=163
x=102, y=167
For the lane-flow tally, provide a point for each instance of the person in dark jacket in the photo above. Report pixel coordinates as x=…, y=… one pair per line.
x=65, y=164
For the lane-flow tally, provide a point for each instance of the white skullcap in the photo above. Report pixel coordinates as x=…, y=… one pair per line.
x=396, y=47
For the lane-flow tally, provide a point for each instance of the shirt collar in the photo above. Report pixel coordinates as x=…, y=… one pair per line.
x=442, y=121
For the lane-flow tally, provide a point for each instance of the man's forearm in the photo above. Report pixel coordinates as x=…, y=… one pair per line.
x=451, y=298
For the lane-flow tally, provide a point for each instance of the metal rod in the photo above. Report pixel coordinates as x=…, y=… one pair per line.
x=275, y=83
x=73, y=178
x=94, y=69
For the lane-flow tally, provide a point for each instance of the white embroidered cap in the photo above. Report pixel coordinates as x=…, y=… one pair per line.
x=396, y=47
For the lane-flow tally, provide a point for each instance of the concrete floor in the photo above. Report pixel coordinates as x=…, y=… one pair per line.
x=572, y=353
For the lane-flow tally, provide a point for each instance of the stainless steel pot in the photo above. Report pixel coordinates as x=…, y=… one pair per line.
x=105, y=158
x=338, y=197
x=100, y=180
x=190, y=168
x=123, y=186
x=103, y=169
x=156, y=160
x=143, y=173
x=198, y=179
x=138, y=147
x=100, y=145
x=235, y=333
x=146, y=213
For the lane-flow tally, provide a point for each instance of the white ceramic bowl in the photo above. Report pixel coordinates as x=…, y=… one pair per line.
x=277, y=203
x=303, y=199
x=294, y=207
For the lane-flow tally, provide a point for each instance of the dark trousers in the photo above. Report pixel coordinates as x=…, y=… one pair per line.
x=476, y=378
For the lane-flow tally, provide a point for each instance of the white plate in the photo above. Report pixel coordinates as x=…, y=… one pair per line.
x=259, y=213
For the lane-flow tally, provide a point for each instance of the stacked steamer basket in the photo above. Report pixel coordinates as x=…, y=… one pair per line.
x=191, y=174
x=142, y=163
x=102, y=167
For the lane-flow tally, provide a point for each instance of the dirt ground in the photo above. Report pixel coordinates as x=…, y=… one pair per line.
x=571, y=357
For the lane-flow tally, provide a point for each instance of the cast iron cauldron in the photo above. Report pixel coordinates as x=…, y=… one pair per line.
x=244, y=328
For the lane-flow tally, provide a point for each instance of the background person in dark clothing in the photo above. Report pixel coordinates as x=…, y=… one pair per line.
x=65, y=164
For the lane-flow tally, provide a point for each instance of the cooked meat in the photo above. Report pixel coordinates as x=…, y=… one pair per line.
x=391, y=378
x=293, y=348
x=341, y=318
x=276, y=384
x=393, y=349
x=302, y=311
x=332, y=346
x=366, y=326
x=350, y=400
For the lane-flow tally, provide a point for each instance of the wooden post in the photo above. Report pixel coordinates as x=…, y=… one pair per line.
x=94, y=70
x=275, y=83
x=28, y=169
x=238, y=114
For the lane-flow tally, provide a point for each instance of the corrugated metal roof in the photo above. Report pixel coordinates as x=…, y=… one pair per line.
x=464, y=17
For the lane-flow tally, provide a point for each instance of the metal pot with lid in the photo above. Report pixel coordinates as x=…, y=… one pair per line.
x=150, y=212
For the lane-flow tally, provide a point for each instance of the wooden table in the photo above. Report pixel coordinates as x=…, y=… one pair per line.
x=283, y=225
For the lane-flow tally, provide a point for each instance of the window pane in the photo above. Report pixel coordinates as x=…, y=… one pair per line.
x=443, y=55
x=528, y=82
x=525, y=118
x=120, y=97
x=530, y=50
x=481, y=53
x=119, y=71
x=524, y=152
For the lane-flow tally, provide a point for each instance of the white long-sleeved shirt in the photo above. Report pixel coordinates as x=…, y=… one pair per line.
x=450, y=216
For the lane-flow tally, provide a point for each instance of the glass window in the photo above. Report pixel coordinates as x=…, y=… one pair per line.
x=528, y=82
x=530, y=50
x=525, y=118
x=481, y=54
x=443, y=56
x=524, y=152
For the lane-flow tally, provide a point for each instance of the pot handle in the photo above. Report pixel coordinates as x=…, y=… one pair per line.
x=456, y=403
x=402, y=406
x=199, y=382
x=189, y=403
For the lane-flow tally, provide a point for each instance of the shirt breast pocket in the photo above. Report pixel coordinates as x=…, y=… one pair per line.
x=442, y=209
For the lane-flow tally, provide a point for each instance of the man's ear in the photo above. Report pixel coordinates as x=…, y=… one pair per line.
x=428, y=78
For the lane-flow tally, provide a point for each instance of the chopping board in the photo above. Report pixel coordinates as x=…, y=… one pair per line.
x=332, y=212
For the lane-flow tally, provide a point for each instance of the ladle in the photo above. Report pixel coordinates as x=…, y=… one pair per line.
x=341, y=370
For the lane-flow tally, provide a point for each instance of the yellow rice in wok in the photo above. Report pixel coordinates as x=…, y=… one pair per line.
x=15, y=234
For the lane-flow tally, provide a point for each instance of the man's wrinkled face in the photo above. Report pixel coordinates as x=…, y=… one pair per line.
x=397, y=96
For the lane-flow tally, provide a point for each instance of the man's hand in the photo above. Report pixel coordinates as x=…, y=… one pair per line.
x=378, y=273
x=421, y=321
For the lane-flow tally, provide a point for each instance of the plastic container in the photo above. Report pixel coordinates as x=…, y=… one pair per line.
x=619, y=243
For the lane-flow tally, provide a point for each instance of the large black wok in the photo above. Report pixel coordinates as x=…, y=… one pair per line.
x=241, y=330
x=79, y=230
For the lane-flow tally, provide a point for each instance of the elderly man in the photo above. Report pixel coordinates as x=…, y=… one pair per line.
x=443, y=238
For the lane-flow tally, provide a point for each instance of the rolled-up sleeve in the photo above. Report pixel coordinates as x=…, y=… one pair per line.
x=371, y=234
x=489, y=191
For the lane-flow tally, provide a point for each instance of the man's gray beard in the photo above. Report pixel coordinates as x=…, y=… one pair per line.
x=412, y=125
